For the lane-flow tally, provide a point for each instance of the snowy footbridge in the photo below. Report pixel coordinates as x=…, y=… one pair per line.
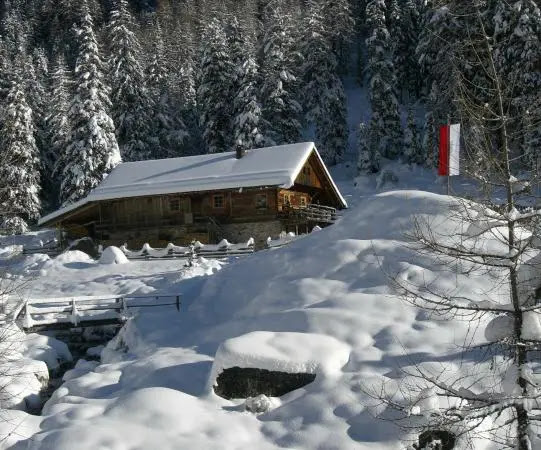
x=79, y=312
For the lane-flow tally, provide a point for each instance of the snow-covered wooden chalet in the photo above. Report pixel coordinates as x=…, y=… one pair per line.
x=235, y=195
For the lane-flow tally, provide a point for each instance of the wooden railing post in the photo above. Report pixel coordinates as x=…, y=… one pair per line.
x=28, y=323
x=74, y=313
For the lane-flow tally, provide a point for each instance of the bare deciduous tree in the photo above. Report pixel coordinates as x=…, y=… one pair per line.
x=498, y=396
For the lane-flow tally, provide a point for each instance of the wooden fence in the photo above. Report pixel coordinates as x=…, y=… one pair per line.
x=221, y=250
x=68, y=312
x=51, y=248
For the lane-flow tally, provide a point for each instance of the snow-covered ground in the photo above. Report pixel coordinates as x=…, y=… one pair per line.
x=153, y=387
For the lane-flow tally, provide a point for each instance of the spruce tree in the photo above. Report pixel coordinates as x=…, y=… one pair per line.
x=214, y=88
x=246, y=109
x=187, y=127
x=386, y=128
x=412, y=147
x=406, y=40
x=129, y=96
x=323, y=89
x=92, y=149
x=57, y=124
x=281, y=109
x=517, y=40
x=38, y=97
x=430, y=144
x=19, y=164
x=368, y=160
x=331, y=126
x=339, y=24
x=439, y=33
x=393, y=21
x=531, y=142
x=167, y=130
x=518, y=46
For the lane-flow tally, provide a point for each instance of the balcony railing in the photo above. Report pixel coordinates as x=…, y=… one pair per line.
x=310, y=213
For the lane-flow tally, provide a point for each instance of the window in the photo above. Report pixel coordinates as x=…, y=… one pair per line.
x=261, y=201
x=218, y=201
x=303, y=201
x=306, y=171
x=287, y=199
x=174, y=204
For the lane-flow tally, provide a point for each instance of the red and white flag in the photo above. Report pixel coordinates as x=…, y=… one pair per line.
x=449, y=150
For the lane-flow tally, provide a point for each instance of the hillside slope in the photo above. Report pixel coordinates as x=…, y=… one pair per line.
x=152, y=391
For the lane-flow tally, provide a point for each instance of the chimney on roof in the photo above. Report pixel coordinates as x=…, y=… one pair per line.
x=240, y=153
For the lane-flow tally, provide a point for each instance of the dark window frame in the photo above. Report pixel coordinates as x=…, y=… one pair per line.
x=176, y=201
x=266, y=201
x=216, y=197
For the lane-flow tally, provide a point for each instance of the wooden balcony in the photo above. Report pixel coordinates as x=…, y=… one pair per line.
x=312, y=214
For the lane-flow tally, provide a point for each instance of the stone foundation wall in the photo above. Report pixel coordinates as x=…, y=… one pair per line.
x=260, y=231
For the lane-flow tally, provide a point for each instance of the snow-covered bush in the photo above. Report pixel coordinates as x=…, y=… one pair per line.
x=113, y=255
x=13, y=225
x=258, y=405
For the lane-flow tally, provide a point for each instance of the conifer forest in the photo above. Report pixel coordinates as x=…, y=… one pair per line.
x=87, y=84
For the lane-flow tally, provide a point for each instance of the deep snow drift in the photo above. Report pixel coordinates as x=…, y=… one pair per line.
x=153, y=386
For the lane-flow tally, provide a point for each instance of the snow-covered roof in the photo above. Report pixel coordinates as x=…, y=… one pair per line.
x=270, y=166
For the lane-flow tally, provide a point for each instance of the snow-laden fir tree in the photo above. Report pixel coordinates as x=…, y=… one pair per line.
x=246, y=117
x=323, y=90
x=406, y=40
x=386, y=126
x=57, y=124
x=340, y=24
x=246, y=108
x=214, y=88
x=331, y=127
x=15, y=33
x=413, y=151
x=439, y=31
x=531, y=141
x=19, y=164
x=367, y=161
x=518, y=46
x=188, y=122
x=517, y=40
x=156, y=82
x=429, y=142
x=38, y=94
x=281, y=108
x=92, y=149
x=393, y=22
x=129, y=95
x=186, y=82
x=167, y=130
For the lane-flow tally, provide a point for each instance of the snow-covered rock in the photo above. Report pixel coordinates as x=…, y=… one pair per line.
x=70, y=258
x=113, y=255
x=258, y=405
x=282, y=352
x=47, y=349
